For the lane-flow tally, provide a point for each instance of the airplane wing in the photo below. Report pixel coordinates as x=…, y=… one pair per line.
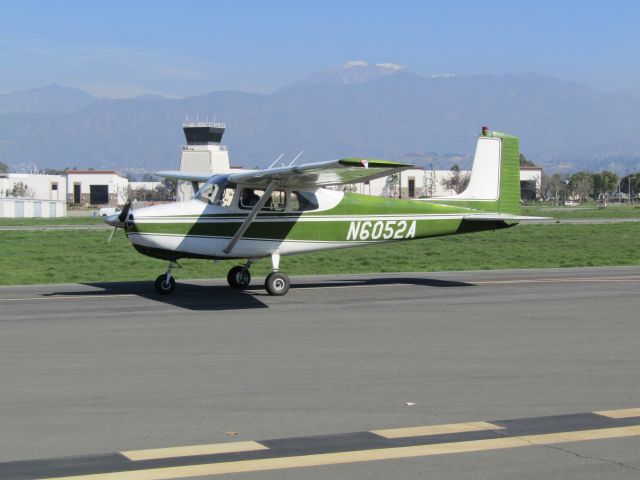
x=320, y=174
x=188, y=176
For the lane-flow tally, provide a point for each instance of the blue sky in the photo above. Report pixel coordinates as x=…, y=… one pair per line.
x=182, y=48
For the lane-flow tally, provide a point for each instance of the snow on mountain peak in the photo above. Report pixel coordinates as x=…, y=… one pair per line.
x=390, y=66
x=354, y=64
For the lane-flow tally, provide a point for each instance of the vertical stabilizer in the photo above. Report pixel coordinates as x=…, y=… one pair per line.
x=495, y=176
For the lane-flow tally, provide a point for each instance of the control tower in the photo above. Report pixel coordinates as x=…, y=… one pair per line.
x=203, y=153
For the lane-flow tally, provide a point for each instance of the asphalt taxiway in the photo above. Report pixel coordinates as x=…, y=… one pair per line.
x=112, y=379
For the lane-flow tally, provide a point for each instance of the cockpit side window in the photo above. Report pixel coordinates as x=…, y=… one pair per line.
x=225, y=197
x=277, y=202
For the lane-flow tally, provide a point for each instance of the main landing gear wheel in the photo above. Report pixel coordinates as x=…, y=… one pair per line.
x=239, y=277
x=165, y=286
x=277, y=283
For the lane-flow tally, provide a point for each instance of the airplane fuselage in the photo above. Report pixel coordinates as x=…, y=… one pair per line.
x=197, y=229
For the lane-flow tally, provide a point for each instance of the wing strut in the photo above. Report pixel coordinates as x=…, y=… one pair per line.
x=252, y=215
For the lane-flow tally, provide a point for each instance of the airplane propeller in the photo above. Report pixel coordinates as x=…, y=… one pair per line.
x=118, y=220
x=125, y=211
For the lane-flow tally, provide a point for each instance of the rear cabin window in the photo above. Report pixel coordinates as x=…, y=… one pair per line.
x=302, y=201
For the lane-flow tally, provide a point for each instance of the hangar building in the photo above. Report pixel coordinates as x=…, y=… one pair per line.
x=96, y=187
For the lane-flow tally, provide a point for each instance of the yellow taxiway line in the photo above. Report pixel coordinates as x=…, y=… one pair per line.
x=167, y=473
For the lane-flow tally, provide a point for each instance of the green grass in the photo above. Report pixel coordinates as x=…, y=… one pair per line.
x=585, y=211
x=15, y=222
x=85, y=256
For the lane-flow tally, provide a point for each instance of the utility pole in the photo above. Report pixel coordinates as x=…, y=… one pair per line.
x=619, y=196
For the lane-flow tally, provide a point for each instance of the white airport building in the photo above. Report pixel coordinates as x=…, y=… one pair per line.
x=27, y=195
x=96, y=187
x=39, y=195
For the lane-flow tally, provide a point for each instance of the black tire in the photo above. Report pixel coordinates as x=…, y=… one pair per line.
x=163, y=287
x=277, y=283
x=239, y=279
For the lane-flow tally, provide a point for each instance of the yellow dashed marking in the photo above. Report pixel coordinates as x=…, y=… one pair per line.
x=436, y=430
x=624, y=413
x=193, y=450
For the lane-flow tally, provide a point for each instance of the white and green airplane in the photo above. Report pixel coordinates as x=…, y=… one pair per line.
x=285, y=211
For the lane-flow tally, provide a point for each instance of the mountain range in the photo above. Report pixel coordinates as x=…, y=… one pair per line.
x=354, y=109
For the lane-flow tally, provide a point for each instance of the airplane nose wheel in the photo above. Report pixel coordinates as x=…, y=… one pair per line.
x=277, y=283
x=239, y=277
x=165, y=286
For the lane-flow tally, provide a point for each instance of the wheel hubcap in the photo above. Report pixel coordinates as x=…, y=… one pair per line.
x=278, y=284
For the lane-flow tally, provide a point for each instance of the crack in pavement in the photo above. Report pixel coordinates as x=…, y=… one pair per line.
x=570, y=452
x=590, y=457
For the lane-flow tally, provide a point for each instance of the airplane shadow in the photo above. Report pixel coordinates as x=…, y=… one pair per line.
x=220, y=297
x=186, y=295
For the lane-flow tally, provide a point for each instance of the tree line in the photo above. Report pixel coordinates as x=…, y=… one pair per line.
x=586, y=185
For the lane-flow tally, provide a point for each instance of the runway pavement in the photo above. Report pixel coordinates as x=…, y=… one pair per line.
x=387, y=376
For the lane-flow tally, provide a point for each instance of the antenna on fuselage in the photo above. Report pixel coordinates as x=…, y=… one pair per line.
x=297, y=157
x=275, y=161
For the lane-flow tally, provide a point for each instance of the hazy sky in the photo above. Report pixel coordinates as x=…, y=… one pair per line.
x=182, y=48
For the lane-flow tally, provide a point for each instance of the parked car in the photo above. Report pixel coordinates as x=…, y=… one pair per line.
x=106, y=211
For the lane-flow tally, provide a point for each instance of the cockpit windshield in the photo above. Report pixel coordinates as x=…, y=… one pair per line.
x=215, y=192
x=207, y=193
